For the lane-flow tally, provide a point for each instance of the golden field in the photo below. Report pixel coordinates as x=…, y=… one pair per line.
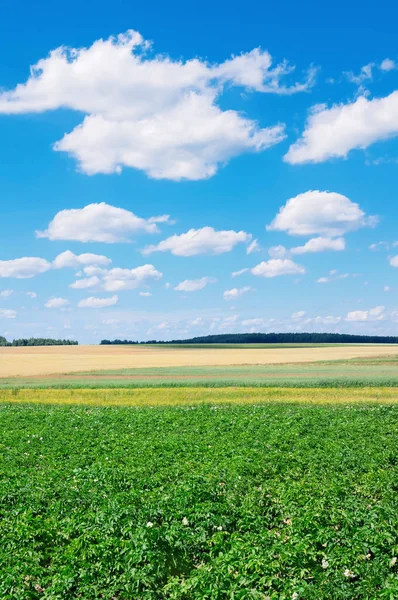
x=199, y=396
x=48, y=360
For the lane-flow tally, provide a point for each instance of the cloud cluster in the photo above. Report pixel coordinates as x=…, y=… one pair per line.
x=236, y=292
x=94, y=302
x=373, y=314
x=194, y=285
x=200, y=241
x=150, y=112
x=277, y=266
x=98, y=222
x=24, y=268
x=321, y=213
x=334, y=132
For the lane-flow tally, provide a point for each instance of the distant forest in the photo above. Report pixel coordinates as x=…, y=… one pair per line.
x=273, y=338
x=37, y=342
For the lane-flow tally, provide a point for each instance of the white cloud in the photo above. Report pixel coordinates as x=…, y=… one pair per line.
x=329, y=320
x=364, y=74
x=236, y=292
x=325, y=213
x=277, y=251
x=320, y=244
x=379, y=245
x=24, y=268
x=258, y=322
x=193, y=285
x=31, y=294
x=240, y=272
x=394, y=261
x=56, y=302
x=99, y=222
x=334, y=132
x=7, y=314
x=253, y=247
x=148, y=111
x=128, y=279
x=366, y=315
x=69, y=259
x=277, y=266
x=200, y=241
x=299, y=314
x=334, y=275
x=387, y=288
x=93, y=302
x=6, y=293
x=87, y=282
x=145, y=294
x=387, y=65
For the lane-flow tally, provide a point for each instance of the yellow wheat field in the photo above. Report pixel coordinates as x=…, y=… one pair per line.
x=47, y=360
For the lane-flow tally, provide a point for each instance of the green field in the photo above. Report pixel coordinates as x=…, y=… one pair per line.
x=381, y=371
x=274, y=500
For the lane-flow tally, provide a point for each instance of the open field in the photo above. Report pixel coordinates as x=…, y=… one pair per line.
x=193, y=396
x=42, y=360
x=357, y=372
x=275, y=501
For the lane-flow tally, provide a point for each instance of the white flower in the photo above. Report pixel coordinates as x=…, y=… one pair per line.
x=219, y=528
x=348, y=573
x=325, y=563
x=185, y=522
x=295, y=596
x=393, y=561
x=149, y=524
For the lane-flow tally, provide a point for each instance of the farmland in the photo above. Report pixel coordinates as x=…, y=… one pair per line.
x=220, y=501
x=42, y=360
x=131, y=479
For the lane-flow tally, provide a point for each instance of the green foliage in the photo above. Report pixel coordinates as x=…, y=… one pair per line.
x=272, y=338
x=37, y=342
x=206, y=503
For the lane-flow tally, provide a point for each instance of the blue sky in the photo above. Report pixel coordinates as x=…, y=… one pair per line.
x=192, y=143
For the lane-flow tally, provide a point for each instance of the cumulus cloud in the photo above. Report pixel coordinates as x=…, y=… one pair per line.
x=7, y=314
x=320, y=244
x=200, y=241
x=31, y=294
x=334, y=132
x=325, y=213
x=86, y=282
x=145, y=294
x=150, y=112
x=278, y=251
x=97, y=222
x=388, y=65
x=6, y=293
x=69, y=259
x=93, y=302
x=394, y=261
x=277, y=266
x=24, y=268
x=119, y=279
x=56, y=303
x=236, y=292
x=193, y=285
x=375, y=314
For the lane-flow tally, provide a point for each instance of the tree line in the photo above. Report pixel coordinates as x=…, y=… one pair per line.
x=272, y=338
x=37, y=342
